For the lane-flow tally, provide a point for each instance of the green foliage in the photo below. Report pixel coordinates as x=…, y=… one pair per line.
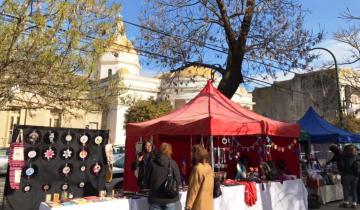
x=350, y=123
x=49, y=51
x=143, y=110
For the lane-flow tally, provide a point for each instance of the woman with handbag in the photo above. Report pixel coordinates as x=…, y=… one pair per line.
x=201, y=185
x=164, y=180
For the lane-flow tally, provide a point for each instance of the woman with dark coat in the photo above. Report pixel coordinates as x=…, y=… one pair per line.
x=158, y=199
x=142, y=165
x=349, y=168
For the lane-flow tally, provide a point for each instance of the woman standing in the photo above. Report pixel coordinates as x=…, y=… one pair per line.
x=142, y=165
x=201, y=186
x=158, y=199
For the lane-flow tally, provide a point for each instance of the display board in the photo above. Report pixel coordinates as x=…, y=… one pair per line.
x=58, y=160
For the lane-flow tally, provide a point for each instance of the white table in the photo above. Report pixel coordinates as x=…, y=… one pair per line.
x=291, y=194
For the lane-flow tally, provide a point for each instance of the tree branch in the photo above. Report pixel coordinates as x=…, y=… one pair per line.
x=227, y=26
x=216, y=67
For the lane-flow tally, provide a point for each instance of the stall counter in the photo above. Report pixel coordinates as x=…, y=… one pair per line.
x=290, y=194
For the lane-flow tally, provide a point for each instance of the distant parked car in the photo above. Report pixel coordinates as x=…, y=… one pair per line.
x=118, y=168
x=4, y=152
x=119, y=157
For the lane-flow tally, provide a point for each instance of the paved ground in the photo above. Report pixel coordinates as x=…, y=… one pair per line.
x=334, y=206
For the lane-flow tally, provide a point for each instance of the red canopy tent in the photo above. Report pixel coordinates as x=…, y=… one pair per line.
x=209, y=114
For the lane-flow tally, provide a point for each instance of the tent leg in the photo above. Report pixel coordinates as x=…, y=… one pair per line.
x=212, y=151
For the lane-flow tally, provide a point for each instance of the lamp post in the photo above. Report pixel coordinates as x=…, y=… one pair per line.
x=337, y=83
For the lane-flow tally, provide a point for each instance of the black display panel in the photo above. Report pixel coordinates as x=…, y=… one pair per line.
x=58, y=160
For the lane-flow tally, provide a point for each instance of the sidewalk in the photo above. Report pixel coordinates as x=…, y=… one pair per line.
x=334, y=206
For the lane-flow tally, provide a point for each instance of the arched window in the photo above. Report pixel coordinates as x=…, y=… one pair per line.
x=109, y=72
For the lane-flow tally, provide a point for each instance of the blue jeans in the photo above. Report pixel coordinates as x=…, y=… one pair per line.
x=169, y=206
x=349, y=184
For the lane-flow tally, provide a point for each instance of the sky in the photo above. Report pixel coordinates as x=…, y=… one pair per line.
x=323, y=15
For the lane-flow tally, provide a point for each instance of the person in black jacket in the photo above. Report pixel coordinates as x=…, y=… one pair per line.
x=349, y=167
x=337, y=154
x=158, y=199
x=142, y=164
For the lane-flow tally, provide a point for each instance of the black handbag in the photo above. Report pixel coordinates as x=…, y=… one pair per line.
x=171, y=186
x=217, y=190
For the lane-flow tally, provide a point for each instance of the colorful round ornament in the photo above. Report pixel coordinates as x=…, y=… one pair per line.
x=96, y=169
x=84, y=139
x=68, y=137
x=98, y=140
x=83, y=168
x=27, y=188
x=33, y=137
x=46, y=187
x=67, y=153
x=30, y=172
x=49, y=153
x=31, y=154
x=83, y=154
x=82, y=184
x=66, y=169
x=64, y=186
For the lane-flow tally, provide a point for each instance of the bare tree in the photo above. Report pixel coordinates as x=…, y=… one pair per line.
x=234, y=37
x=350, y=36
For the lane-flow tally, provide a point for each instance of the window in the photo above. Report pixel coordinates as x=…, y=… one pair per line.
x=57, y=122
x=93, y=125
x=14, y=119
x=55, y=119
x=109, y=72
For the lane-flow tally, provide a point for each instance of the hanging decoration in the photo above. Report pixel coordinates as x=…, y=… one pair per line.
x=252, y=147
x=289, y=147
x=33, y=137
x=267, y=149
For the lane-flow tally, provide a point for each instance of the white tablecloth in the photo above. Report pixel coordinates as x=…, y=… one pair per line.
x=331, y=193
x=291, y=194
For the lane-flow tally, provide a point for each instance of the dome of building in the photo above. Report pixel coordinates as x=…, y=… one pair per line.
x=121, y=54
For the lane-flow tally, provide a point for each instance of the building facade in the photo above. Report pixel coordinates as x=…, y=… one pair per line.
x=121, y=60
x=289, y=100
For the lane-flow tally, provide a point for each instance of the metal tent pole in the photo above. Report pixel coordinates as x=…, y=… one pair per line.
x=212, y=151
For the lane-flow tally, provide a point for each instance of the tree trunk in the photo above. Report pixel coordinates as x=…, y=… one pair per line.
x=233, y=76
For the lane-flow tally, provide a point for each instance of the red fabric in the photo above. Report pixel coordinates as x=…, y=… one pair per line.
x=15, y=165
x=250, y=196
x=211, y=113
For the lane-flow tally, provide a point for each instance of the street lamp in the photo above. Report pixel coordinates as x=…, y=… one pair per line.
x=337, y=83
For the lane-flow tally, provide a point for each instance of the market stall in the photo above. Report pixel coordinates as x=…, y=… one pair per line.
x=272, y=196
x=54, y=163
x=322, y=178
x=226, y=129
